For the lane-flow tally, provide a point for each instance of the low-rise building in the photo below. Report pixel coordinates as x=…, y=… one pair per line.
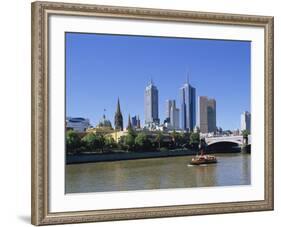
x=77, y=124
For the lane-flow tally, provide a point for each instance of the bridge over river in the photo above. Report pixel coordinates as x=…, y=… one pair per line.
x=226, y=142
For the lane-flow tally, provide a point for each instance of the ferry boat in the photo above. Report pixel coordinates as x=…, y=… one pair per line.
x=203, y=159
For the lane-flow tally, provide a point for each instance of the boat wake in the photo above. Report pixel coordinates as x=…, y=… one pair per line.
x=190, y=165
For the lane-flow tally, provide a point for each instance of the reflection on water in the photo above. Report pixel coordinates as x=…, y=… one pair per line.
x=157, y=173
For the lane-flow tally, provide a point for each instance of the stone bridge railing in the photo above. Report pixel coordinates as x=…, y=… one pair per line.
x=233, y=139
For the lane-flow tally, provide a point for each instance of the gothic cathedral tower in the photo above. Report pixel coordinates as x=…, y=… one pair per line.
x=118, y=120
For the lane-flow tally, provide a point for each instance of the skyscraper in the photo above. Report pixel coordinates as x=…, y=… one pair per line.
x=172, y=113
x=138, y=122
x=188, y=108
x=151, y=104
x=246, y=121
x=203, y=114
x=207, y=114
x=175, y=116
x=212, y=118
x=168, y=108
x=134, y=121
x=118, y=119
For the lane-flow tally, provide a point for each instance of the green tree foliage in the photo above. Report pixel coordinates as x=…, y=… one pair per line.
x=245, y=133
x=73, y=142
x=159, y=139
x=94, y=142
x=131, y=132
x=110, y=143
x=184, y=138
x=175, y=138
x=142, y=142
x=194, y=139
x=129, y=141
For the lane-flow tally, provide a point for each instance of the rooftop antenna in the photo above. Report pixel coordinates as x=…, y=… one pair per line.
x=187, y=77
x=151, y=81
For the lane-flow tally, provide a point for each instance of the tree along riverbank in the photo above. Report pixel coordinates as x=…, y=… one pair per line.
x=121, y=155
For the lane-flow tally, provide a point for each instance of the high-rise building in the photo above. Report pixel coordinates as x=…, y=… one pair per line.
x=188, y=107
x=203, y=114
x=207, y=114
x=168, y=108
x=212, y=115
x=172, y=114
x=151, y=105
x=246, y=121
x=134, y=121
x=118, y=119
x=175, y=116
x=138, y=122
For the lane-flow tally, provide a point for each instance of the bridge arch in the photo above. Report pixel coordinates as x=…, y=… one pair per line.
x=238, y=142
x=224, y=146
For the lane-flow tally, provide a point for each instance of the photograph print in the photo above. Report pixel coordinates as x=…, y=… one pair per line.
x=147, y=113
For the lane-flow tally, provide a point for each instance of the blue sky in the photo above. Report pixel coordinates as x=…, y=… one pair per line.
x=101, y=68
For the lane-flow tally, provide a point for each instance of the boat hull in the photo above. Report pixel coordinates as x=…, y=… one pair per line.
x=203, y=160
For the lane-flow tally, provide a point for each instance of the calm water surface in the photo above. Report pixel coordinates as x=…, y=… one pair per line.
x=158, y=173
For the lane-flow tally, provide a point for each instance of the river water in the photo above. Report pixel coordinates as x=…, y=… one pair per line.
x=157, y=173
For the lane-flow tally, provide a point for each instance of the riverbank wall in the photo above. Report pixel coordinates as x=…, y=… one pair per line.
x=119, y=156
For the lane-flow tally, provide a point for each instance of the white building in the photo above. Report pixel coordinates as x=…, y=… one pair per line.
x=77, y=124
x=246, y=121
x=151, y=105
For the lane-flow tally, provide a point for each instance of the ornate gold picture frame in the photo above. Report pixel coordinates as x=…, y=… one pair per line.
x=41, y=12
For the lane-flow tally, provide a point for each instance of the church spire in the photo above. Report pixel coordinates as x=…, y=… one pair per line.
x=118, y=106
x=118, y=120
x=129, y=123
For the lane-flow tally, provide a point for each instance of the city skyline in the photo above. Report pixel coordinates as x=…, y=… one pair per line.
x=92, y=87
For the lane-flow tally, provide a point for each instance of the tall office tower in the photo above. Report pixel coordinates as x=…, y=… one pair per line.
x=138, y=122
x=168, y=108
x=188, y=108
x=175, y=115
x=134, y=121
x=151, y=105
x=212, y=118
x=172, y=113
x=203, y=114
x=246, y=121
x=118, y=119
x=206, y=114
